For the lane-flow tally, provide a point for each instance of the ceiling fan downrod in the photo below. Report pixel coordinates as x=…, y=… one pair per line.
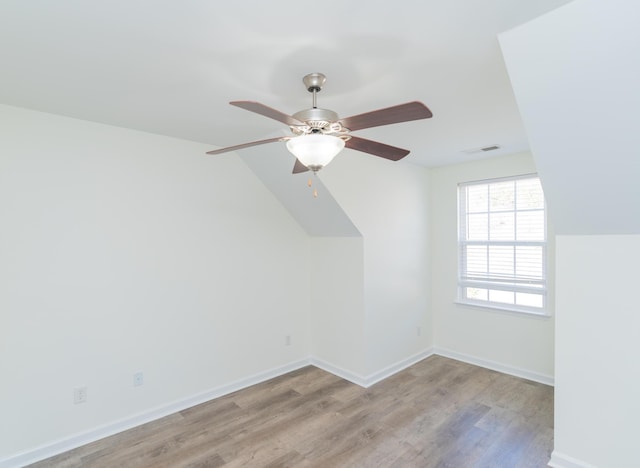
x=314, y=83
x=325, y=134
x=316, y=120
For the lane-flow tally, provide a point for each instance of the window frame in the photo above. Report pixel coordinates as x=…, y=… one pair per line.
x=513, y=283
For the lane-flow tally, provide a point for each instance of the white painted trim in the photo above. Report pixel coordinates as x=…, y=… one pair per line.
x=367, y=381
x=338, y=371
x=543, y=313
x=560, y=460
x=496, y=366
x=74, y=441
x=100, y=432
x=397, y=367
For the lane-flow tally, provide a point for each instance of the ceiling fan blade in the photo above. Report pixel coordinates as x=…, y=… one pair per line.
x=401, y=113
x=247, y=145
x=377, y=149
x=266, y=111
x=298, y=167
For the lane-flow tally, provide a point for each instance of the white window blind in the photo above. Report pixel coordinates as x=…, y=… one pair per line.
x=502, y=243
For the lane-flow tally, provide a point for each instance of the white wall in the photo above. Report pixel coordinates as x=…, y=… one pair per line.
x=517, y=343
x=575, y=75
x=124, y=252
x=388, y=204
x=121, y=252
x=337, y=317
x=598, y=382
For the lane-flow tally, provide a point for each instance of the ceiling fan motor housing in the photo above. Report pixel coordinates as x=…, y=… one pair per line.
x=316, y=118
x=320, y=128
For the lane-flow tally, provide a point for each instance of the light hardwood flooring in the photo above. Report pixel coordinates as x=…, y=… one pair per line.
x=436, y=413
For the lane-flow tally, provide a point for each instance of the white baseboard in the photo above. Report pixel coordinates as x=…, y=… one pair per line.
x=560, y=460
x=367, y=381
x=77, y=440
x=397, y=367
x=338, y=371
x=496, y=366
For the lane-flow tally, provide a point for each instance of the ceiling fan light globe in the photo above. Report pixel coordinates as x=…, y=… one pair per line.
x=316, y=150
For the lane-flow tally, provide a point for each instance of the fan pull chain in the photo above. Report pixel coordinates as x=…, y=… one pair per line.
x=309, y=184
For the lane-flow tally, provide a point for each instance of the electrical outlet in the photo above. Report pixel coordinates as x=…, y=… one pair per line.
x=287, y=340
x=138, y=379
x=79, y=395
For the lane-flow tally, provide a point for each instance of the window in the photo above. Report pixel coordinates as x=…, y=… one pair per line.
x=502, y=244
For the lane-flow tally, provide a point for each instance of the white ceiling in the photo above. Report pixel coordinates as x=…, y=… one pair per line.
x=171, y=67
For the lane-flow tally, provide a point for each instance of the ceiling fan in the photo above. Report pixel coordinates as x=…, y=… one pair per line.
x=319, y=134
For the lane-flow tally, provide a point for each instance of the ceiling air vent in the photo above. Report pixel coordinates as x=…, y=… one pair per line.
x=482, y=150
x=490, y=148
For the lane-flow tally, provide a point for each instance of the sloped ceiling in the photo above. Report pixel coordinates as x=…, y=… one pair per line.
x=172, y=67
x=575, y=72
x=320, y=215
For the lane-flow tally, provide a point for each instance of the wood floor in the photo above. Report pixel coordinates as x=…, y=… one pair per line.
x=437, y=413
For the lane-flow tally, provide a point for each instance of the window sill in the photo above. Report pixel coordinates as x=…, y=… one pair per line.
x=504, y=308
